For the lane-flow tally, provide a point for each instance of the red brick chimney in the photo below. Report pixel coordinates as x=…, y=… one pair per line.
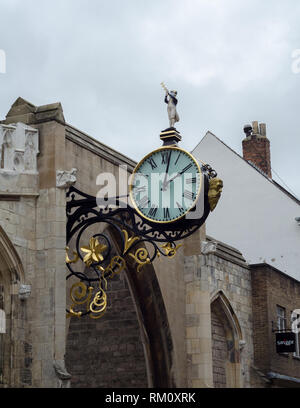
x=256, y=147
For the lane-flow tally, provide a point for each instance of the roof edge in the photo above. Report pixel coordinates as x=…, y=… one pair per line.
x=275, y=183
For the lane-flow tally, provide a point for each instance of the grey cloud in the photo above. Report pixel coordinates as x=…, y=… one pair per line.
x=104, y=60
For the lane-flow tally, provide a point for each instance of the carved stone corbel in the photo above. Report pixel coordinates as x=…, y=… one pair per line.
x=242, y=344
x=208, y=247
x=24, y=292
x=63, y=376
x=65, y=179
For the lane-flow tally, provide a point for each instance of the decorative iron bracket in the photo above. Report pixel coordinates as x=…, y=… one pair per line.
x=138, y=239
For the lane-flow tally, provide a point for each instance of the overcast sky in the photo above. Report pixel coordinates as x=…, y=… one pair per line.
x=230, y=61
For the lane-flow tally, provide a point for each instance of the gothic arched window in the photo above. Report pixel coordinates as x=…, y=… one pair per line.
x=2, y=331
x=226, y=335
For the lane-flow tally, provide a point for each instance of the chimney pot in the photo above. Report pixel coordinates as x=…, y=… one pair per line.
x=262, y=129
x=255, y=127
x=256, y=147
x=248, y=130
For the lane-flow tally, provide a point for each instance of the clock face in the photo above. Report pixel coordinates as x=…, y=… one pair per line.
x=166, y=184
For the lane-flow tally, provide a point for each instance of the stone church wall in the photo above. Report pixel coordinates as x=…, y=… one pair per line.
x=179, y=291
x=221, y=275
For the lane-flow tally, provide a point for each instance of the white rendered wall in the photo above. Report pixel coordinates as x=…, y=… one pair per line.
x=253, y=214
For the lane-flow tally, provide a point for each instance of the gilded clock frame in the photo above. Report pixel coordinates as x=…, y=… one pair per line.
x=132, y=200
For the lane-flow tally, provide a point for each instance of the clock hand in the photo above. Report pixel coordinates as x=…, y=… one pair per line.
x=180, y=173
x=173, y=178
x=166, y=175
x=168, y=162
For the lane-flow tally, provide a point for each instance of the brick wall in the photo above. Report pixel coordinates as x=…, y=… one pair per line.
x=108, y=352
x=261, y=327
x=271, y=288
x=219, y=350
x=256, y=148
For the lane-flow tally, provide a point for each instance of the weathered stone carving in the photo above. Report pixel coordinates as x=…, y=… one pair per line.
x=2, y=322
x=63, y=376
x=7, y=150
x=242, y=344
x=18, y=148
x=18, y=161
x=65, y=179
x=30, y=161
x=208, y=247
x=24, y=292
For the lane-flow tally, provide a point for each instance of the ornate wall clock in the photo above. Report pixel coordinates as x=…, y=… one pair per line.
x=170, y=197
x=166, y=184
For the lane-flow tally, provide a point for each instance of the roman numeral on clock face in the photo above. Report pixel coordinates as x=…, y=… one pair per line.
x=191, y=180
x=143, y=202
x=166, y=212
x=189, y=195
x=165, y=157
x=140, y=189
x=152, y=163
x=180, y=208
x=153, y=210
x=177, y=158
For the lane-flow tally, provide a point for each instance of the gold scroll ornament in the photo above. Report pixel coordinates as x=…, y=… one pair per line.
x=140, y=255
x=98, y=305
x=81, y=294
x=141, y=258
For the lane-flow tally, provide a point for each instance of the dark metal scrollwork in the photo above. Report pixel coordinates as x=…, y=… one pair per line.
x=98, y=257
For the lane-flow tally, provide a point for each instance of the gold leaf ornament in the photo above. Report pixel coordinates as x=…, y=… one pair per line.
x=93, y=252
x=170, y=250
x=74, y=260
x=129, y=241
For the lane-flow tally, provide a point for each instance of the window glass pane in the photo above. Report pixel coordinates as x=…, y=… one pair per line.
x=294, y=317
x=2, y=322
x=1, y=357
x=281, y=318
